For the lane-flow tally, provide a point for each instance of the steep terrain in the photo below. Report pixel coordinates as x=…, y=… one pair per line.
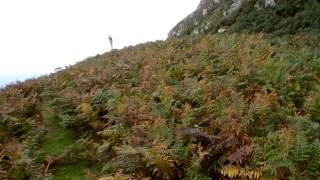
x=270, y=16
x=212, y=106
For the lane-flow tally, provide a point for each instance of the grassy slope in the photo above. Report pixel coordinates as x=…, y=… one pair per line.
x=55, y=142
x=227, y=105
x=57, y=137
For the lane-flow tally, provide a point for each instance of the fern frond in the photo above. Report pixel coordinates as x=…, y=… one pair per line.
x=162, y=164
x=300, y=150
x=313, y=168
x=114, y=133
x=128, y=150
x=276, y=153
x=128, y=158
x=194, y=174
x=179, y=151
x=187, y=117
x=104, y=147
x=237, y=172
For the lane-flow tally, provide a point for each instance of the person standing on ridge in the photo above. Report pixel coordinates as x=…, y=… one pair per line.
x=111, y=42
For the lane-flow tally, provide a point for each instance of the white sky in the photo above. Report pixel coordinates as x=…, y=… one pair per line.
x=37, y=36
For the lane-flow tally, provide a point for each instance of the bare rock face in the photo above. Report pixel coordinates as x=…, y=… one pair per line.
x=194, y=19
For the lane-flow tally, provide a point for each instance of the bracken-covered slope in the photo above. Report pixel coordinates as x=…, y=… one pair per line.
x=212, y=106
x=229, y=106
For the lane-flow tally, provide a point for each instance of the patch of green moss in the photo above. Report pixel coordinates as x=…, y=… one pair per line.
x=75, y=171
x=58, y=137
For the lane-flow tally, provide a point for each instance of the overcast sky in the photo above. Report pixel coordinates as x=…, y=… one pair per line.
x=37, y=36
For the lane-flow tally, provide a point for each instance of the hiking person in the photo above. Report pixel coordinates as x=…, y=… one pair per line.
x=111, y=42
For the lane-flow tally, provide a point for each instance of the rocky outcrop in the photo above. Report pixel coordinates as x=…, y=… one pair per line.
x=210, y=14
x=190, y=22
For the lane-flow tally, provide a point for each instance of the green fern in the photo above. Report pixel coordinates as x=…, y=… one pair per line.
x=289, y=150
x=127, y=158
x=99, y=98
x=194, y=174
x=313, y=168
x=173, y=75
x=276, y=153
x=68, y=120
x=315, y=110
x=300, y=150
x=114, y=133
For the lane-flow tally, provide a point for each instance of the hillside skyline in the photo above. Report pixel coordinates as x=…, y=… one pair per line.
x=35, y=39
x=232, y=93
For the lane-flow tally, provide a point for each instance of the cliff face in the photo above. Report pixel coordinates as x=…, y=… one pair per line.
x=281, y=17
x=194, y=19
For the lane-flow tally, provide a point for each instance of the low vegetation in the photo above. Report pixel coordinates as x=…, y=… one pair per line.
x=227, y=106
x=286, y=17
x=275, y=17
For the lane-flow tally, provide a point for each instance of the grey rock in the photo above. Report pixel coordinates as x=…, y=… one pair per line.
x=188, y=24
x=234, y=6
x=269, y=3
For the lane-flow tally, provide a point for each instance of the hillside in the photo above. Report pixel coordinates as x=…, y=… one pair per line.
x=270, y=16
x=234, y=105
